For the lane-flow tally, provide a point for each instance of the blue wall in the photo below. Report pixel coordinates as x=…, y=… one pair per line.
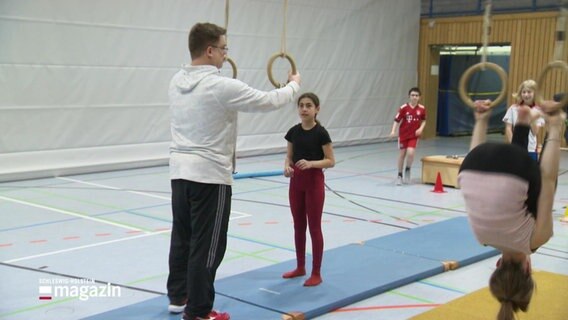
x=454, y=116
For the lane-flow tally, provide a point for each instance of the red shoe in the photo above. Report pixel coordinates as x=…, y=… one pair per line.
x=213, y=315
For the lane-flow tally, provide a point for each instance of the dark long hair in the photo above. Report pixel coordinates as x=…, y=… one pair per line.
x=513, y=287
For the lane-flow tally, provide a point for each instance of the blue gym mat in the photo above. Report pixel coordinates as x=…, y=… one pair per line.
x=351, y=273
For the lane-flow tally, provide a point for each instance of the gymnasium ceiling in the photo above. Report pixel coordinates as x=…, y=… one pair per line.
x=450, y=8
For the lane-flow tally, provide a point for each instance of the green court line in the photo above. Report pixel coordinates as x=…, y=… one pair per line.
x=240, y=254
x=397, y=293
x=78, y=214
x=275, y=246
x=142, y=280
x=40, y=306
x=433, y=283
x=98, y=204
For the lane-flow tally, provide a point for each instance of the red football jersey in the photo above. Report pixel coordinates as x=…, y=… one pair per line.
x=410, y=119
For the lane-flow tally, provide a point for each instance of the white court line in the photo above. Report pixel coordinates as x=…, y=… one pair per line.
x=84, y=216
x=242, y=214
x=115, y=188
x=269, y=291
x=86, y=246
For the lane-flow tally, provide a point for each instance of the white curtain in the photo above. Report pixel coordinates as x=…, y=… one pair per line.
x=83, y=84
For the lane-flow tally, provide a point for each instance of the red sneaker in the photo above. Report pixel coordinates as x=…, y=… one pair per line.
x=213, y=315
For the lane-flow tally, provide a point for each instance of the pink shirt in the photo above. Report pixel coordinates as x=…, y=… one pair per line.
x=504, y=225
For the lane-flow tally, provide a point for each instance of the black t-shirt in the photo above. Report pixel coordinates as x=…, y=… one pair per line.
x=307, y=144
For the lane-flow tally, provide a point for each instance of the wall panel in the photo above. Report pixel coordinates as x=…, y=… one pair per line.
x=530, y=35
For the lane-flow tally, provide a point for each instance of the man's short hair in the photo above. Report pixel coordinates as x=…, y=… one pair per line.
x=203, y=35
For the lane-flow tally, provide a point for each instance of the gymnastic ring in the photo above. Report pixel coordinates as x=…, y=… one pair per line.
x=233, y=65
x=470, y=71
x=538, y=94
x=271, y=62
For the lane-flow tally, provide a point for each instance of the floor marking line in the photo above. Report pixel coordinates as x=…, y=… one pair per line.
x=114, y=188
x=70, y=213
x=85, y=247
x=269, y=291
x=406, y=306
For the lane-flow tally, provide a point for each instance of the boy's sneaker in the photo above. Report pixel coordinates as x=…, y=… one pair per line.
x=398, y=180
x=177, y=306
x=213, y=315
x=407, y=177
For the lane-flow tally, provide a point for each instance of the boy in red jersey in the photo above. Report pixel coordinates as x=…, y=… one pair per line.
x=412, y=118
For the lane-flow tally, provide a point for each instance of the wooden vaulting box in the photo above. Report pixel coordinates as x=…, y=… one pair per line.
x=447, y=166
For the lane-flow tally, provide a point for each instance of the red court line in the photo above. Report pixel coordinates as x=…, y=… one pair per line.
x=102, y=234
x=71, y=238
x=44, y=298
x=404, y=306
x=5, y=244
x=38, y=241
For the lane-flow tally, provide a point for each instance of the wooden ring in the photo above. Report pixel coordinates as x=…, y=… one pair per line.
x=233, y=65
x=271, y=62
x=538, y=98
x=462, y=91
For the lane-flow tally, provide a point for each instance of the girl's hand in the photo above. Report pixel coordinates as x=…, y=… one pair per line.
x=418, y=133
x=303, y=164
x=288, y=172
x=482, y=109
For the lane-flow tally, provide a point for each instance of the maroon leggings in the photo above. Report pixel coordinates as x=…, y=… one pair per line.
x=307, y=195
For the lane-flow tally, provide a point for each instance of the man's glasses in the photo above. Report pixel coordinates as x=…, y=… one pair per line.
x=224, y=49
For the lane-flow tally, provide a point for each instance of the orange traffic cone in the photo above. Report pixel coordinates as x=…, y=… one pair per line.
x=438, y=187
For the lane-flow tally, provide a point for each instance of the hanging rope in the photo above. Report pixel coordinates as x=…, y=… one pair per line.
x=282, y=53
x=229, y=60
x=483, y=65
x=486, y=33
x=558, y=62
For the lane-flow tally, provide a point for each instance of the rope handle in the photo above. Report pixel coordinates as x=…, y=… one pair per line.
x=486, y=32
x=229, y=60
x=282, y=53
x=558, y=58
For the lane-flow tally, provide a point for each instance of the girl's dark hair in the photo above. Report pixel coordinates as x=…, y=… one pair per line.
x=414, y=89
x=513, y=287
x=312, y=96
x=203, y=35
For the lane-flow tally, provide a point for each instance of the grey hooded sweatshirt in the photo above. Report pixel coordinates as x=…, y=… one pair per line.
x=204, y=107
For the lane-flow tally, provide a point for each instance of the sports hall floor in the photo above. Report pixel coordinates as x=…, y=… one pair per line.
x=114, y=227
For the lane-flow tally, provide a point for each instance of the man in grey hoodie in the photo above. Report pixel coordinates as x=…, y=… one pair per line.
x=204, y=107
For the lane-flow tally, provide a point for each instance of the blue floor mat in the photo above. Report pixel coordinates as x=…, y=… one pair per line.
x=351, y=273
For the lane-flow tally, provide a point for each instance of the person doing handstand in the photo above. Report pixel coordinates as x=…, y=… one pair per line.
x=509, y=197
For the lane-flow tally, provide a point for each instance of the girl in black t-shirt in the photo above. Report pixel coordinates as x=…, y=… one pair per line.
x=309, y=151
